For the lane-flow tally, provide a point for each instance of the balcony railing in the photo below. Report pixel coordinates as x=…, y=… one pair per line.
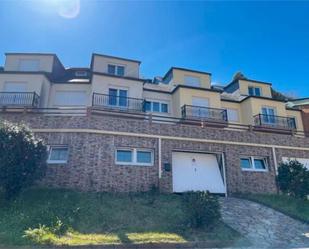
x=117, y=102
x=19, y=99
x=271, y=121
x=204, y=113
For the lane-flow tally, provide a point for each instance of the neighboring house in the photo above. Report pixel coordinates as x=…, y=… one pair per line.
x=107, y=129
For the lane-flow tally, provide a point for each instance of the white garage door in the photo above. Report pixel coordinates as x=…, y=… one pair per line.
x=196, y=171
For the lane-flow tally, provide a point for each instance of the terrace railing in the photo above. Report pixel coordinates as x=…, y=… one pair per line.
x=20, y=99
x=204, y=113
x=117, y=102
x=272, y=121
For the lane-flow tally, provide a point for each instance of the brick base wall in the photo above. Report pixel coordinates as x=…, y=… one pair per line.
x=91, y=165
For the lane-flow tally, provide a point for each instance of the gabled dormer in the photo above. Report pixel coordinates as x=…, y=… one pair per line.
x=192, y=78
x=115, y=66
x=247, y=87
x=33, y=62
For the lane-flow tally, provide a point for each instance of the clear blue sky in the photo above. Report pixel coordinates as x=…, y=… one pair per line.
x=266, y=41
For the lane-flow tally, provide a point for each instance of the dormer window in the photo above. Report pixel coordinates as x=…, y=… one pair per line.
x=115, y=70
x=29, y=65
x=254, y=91
x=81, y=73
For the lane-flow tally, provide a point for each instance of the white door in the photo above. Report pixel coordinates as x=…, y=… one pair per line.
x=196, y=172
x=15, y=87
x=198, y=107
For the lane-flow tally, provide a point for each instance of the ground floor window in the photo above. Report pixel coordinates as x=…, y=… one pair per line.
x=253, y=163
x=134, y=156
x=57, y=154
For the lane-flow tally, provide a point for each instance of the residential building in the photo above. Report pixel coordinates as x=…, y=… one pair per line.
x=108, y=129
x=302, y=104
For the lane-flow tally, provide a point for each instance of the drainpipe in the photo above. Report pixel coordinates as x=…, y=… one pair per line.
x=224, y=175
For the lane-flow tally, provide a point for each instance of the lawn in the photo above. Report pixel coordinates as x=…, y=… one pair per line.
x=296, y=208
x=62, y=217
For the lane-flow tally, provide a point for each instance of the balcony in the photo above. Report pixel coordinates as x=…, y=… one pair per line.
x=19, y=99
x=204, y=114
x=276, y=122
x=117, y=103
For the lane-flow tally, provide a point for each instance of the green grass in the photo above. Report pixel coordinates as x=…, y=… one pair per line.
x=296, y=208
x=62, y=217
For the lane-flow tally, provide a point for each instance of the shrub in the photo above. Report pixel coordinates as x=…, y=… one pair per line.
x=202, y=209
x=293, y=179
x=22, y=158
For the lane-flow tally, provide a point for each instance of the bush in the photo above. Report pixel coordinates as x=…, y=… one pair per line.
x=293, y=179
x=202, y=209
x=22, y=158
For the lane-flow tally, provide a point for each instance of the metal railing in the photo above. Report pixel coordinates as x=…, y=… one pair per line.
x=117, y=102
x=272, y=121
x=204, y=113
x=19, y=99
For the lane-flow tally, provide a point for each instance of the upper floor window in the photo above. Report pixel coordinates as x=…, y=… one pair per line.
x=15, y=87
x=115, y=69
x=232, y=115
x=254, y=91
x=118, y=97
x=70, y=98
x=192, y=81
x=268, y=115
x=155, y=106
x=81, y=73
x=29, y=65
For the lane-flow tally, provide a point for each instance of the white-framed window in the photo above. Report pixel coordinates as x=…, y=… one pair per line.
x=29, y=65
x=254, y=91
x=58, y=154
x=81, y=73
x=156, y=106
x=118, y=97
x=70, y=98
x=253, y=163
x=15, y=87
x=268, y=115
x=115, y=69
x=232, y=115
x=134, y=156
x=192, y=81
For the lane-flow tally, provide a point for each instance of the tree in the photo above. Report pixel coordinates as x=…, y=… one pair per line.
x=22, y=158
x=293, y=179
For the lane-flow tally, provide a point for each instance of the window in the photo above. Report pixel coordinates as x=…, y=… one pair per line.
x=124, y=156
x=192, y=81
x=115, y=69
x=232, y=115
x=140, y=157
x=268, y=115
x=253, y=163
x=143, y=157
x=155, y=106
x=58, y=154
x=29, y=65
x=70, y=98
x=254, y=91
x=15, y=87
x=81, y=73
x=118, y=97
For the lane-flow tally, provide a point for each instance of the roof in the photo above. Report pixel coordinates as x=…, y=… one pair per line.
x=37, y=54
x=256, y=81
x=114, y=57
x=183, y=69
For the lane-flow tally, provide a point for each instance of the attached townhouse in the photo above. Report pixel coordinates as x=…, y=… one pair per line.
x=108, y=129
